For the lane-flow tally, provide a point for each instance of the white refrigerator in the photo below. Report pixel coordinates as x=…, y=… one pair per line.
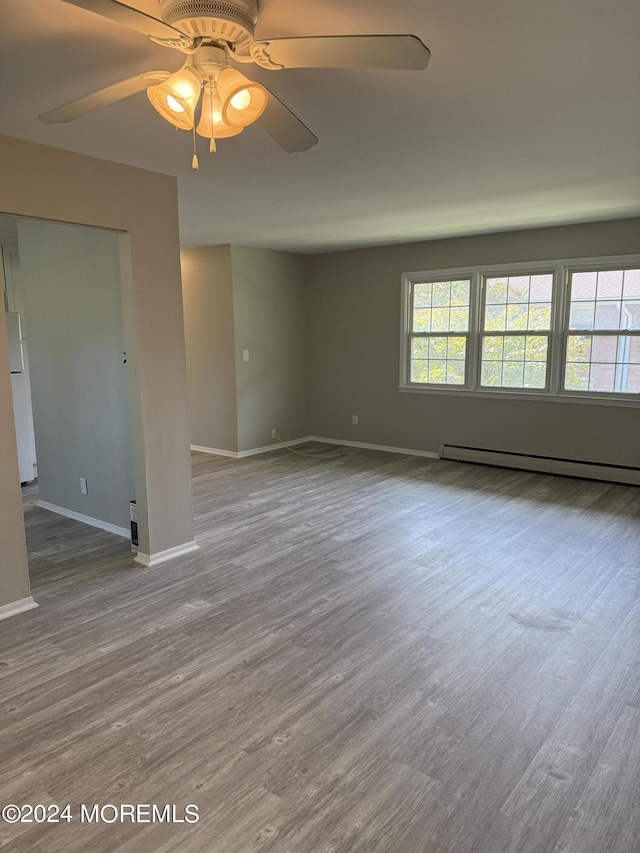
x=21, y=399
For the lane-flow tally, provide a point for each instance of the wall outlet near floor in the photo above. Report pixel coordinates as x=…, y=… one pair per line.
x=354, y=420
x=274, y=433
x=83, y=486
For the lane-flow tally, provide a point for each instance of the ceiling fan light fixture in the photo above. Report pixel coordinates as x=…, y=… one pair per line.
x=211, y=124
x=243, y=100
x=176, y=98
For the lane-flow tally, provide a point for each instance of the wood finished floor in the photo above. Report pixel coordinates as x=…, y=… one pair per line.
x=375, y=653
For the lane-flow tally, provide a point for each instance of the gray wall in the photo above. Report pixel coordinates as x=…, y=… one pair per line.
x=239, y=298
x=210, y=344
x=270, y=307
x=355, y=345
x=70, y=276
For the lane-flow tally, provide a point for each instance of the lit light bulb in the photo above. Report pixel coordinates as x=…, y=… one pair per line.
x=241, y=99
x=177, y=96
x=212, y=124
x=175, y=106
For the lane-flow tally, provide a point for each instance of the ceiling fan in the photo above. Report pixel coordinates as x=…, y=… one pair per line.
x=214, y=34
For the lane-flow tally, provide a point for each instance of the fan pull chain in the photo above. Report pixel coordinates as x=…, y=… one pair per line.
x=212, y=141
x=194, y=160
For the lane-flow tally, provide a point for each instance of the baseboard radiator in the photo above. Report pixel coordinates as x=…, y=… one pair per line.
x=544, y=464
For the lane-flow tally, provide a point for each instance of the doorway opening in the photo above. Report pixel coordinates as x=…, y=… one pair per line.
x=71, y=390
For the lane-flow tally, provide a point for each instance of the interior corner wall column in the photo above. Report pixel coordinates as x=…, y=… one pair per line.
x=49, y=183
x=246, y=318
x=207, y=293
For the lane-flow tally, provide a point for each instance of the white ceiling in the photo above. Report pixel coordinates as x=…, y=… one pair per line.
x=528, y=114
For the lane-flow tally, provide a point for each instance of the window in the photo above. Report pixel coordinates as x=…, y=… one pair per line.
x=514, y=305
x=606, y=304
x=439, y=326
x=555, y=329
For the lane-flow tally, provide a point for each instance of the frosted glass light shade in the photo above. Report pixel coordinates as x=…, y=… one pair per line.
x=211, y=124
x=176, y=98
x=243, y=100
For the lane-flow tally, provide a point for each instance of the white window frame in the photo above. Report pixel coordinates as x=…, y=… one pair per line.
x=567, y=332
x=560, y=308
x=426, y=335
x=548, y=333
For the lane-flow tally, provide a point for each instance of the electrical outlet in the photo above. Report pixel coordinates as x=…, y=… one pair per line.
x=83, y=486
x=274, y=433
x=245, y=355
x=354, y=420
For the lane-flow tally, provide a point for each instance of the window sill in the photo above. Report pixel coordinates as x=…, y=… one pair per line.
x=621, y=402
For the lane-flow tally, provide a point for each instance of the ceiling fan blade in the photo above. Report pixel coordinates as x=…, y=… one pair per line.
x=134, y=18
x=104, y=97
x=401, y=53
x=285, y=128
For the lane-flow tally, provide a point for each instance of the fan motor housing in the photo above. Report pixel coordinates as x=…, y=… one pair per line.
x=232, y=21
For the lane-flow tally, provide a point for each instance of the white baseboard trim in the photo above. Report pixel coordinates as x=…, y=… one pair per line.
x=163, y=556
x=214, y=451
x=385, y=448
x=271, y=447
x=255, y=451
x=16, y=607
x=85, y=519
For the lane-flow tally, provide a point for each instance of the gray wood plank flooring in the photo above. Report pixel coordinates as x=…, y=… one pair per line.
x=370, y=654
